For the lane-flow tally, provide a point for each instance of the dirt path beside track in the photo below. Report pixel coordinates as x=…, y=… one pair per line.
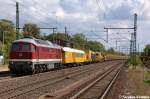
x=130, y=83
x=4, y=68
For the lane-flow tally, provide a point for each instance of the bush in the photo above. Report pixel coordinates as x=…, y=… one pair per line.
x=138, y=61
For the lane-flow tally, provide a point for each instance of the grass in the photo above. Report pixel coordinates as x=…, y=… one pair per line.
x=147, y=77
x=138, y=61
x=137, y=83
x=147, y=82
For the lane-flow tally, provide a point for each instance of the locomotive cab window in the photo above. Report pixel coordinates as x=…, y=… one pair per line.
x=25, y=47
x=32, y=48
x=15, y=47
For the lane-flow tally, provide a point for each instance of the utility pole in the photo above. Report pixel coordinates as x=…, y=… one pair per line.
x=107, y=35
x=86, y=44
x=116, y=44
x=48, y=28
x=133, y=39
x=138, y=49
x=134, y=36
x=119, y=50
x=66, y=36
x=53, y=34
x=17, y=20
x=131, y=49
x=3, y=47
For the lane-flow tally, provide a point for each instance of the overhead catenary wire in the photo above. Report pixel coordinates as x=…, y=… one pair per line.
x=28, y=17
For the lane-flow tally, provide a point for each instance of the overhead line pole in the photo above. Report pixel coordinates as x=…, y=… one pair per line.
x=133, y=39
x=135, y=30
x=116, y=44
x=43, y=28
x=117, y=28
x=17, y=20
x=53, y=34
x=106, y=35
x=66, y=36
x=53, y=29
x=17, y=23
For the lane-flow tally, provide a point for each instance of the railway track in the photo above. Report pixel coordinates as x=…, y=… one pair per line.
x=95, y=87
x=5, y=75
x=12, y=92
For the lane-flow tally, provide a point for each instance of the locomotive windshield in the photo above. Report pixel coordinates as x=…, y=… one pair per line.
x=23, y=47
x=15, y=47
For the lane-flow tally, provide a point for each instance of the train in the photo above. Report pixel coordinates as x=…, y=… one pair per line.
x=31, y=55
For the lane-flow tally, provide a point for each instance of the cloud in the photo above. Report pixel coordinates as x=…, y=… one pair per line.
x=81, y=15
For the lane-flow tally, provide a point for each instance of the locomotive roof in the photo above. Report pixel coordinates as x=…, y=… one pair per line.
x=68, y=49
x=39, y=42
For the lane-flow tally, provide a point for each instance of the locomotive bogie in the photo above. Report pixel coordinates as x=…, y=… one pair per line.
x=21, y=67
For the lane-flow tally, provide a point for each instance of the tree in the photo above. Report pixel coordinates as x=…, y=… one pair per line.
x=31, y=30
x=95, y=46
x=8, y=34
x=79, y=40
x=147, y=49
x=111, y=50
x=61, y=36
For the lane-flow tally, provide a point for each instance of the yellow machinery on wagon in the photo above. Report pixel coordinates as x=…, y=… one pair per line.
x=99, y=57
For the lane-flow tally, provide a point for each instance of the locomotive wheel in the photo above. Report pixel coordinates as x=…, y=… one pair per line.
x=44, y=68
x=36, y=69
x=39, y=69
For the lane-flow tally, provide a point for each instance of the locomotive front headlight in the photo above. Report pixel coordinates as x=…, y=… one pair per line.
x=29, y=62
x=11, y=62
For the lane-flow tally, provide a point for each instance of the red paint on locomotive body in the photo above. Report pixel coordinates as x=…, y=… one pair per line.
x=19, y=51
x=49, y=53
x=30, y=54
x=24, y=49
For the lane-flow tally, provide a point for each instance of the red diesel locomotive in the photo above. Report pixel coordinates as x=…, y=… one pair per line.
x=33, y=55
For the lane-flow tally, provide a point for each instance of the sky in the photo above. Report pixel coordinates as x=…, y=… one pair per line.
x=85, y=16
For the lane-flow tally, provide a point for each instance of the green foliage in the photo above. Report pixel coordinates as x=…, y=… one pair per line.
x=61, y=36
x=8, y=34
x=147, y=77
x=138, y=61
x=95, y=46
x=147, y=49
x=111, y=50
x=147, y=82
x=31, y=30
x=79, y=41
